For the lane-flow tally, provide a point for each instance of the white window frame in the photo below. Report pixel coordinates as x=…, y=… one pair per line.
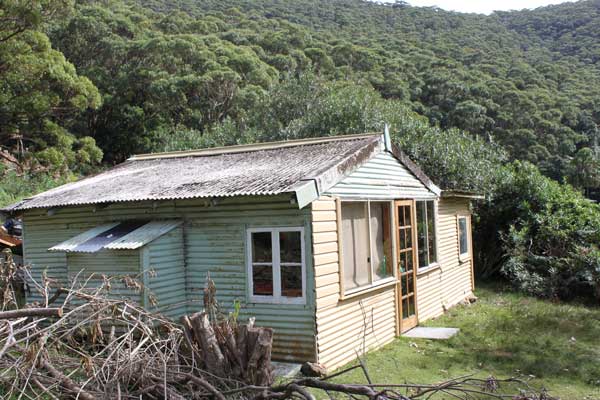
x=276, y=263
x=467, y=255
x=436, y=263
x=372, y=285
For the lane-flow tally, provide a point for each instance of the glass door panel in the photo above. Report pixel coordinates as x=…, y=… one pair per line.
x=406, y=263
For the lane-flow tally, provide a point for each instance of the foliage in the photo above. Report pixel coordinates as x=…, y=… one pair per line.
x=308, y=106
x=195, y=66
x=482, y=74
x=40, y=92
x=503, y=334
x=14, y=187
x=546, y=235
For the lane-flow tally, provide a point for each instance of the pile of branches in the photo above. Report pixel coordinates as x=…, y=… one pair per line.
x=81, y=342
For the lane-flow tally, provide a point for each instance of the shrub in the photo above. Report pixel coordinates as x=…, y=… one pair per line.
x=547, y=235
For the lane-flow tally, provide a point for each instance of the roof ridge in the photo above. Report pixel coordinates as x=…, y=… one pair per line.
x=246, y=148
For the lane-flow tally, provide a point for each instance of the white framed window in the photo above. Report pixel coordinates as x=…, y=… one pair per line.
x=276, y=265
x=463, y=227
x=366, y=244
x=426, y=233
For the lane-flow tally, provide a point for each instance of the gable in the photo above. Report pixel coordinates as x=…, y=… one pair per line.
x=382, y=177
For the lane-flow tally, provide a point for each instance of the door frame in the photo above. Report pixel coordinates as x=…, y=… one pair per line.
x=401, y=326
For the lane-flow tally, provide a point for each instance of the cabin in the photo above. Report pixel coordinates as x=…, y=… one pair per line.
x=339, y=244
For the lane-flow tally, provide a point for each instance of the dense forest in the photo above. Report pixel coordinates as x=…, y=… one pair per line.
x=506, y=104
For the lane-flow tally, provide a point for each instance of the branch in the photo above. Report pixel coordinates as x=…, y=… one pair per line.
x=32, y=312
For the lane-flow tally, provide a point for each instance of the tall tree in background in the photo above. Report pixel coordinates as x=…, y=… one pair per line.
x=40, y=92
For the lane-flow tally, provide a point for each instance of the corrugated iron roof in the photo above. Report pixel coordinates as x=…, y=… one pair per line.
x=126, y=235
x=305, y=167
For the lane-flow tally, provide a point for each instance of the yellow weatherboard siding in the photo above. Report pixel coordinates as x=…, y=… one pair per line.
x=444, y=287
x=352, y=325
x=349, y=326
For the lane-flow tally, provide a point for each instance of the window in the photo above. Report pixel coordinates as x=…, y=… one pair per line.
x=276, y=267
x=463, y=236
x=366, y=243
x=426, y=232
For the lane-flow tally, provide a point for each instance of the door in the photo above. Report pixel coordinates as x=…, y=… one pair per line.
x=406, y=257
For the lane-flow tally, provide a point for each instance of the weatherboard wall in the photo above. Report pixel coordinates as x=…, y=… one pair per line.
x=163, y=268
x=350, y=326
x=93, y=267
x=443, y=287
x=214, y=242
x=382, y=177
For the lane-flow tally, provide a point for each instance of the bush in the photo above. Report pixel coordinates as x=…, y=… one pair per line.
x=541, y=235
x=14, y=187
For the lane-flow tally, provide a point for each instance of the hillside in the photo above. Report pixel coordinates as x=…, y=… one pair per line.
x=151, y=75
x=504, y=77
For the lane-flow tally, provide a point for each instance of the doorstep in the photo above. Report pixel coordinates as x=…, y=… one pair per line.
x=286, y=370
x=421, y=332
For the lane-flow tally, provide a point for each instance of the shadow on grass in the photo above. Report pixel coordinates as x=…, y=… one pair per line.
x=503, y=334
x=512, y=333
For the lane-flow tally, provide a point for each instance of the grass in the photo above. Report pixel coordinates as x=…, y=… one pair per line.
x=503, y=334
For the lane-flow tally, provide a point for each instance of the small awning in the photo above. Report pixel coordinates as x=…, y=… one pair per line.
x=126, y=235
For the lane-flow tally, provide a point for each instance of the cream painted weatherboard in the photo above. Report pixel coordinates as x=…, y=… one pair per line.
x=441, y=288
x=353, y=324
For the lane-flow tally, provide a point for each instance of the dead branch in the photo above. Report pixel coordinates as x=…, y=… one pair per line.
x=32, y=312
x=97, y=345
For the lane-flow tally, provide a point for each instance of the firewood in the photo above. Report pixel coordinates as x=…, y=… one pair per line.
x=205, y=336
x=31, y=312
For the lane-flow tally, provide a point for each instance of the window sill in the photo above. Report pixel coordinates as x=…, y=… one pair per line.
x=464, y=258
x=428, y=269
x=366, y=289
x=300, y=301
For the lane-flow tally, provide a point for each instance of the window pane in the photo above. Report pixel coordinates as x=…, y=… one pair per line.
x=431, y=232
x=380, y=240
x=409, y=260
x=462, y=235
x=422, y=234
x=402, y=237
x=262, y=280
x=291, y=280
x=290, y=247
x=261, y=247
x=355, y=245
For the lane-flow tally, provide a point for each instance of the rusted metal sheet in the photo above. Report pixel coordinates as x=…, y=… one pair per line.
x=9, y=240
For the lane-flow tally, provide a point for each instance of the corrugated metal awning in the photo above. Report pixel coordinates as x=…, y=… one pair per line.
x=126, y=235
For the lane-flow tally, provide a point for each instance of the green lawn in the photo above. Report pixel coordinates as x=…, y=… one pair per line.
x=503, y=334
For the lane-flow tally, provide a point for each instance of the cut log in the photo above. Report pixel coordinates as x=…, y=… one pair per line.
x=211, y=351
x=31, y=312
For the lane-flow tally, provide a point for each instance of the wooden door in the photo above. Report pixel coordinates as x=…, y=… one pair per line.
x=406, y=257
